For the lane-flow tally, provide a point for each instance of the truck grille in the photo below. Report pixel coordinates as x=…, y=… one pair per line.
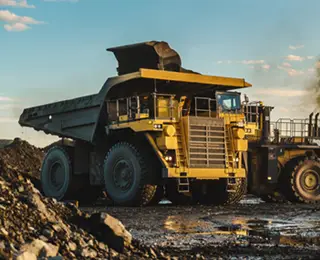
x=206, y=144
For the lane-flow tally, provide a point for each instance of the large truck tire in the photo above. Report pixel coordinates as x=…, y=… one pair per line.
x=240, y=191
x=303, y=181
x=126, y=176
x=56, y=174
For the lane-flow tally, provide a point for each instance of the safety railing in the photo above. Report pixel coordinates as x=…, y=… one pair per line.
x=295, y=130
x=155, y=106
x=251, y=111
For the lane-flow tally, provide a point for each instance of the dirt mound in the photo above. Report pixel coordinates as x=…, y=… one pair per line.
x=33, y=226
x=24, y=159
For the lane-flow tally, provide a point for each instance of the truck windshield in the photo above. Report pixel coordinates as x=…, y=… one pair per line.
x=229, y=102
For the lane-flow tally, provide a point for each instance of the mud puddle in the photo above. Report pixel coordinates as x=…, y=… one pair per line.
x=252, y=229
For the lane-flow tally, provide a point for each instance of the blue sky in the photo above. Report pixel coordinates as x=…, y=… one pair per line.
x=55, y=49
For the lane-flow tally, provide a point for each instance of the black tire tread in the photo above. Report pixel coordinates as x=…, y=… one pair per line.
x=294, y=193
x=146, y=191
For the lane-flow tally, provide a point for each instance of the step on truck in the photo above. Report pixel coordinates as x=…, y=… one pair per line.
x=154, y=130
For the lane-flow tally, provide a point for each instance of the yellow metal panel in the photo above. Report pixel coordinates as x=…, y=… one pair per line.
x=240, y=145
x=193, y=78
x=206, y=173
x=167, y=143
x=155, y=148
x=238, y=133
x=138, y=126
x=289, y=154
x=231, y=117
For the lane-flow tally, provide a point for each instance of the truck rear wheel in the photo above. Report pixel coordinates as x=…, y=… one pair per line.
x=56, y=173
x=126, y=176
x=304, y=181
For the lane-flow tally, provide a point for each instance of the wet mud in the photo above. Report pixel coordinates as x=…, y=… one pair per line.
x=250, y=230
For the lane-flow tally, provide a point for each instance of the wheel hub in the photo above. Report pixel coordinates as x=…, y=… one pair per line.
x=310, y=180
x=123, y=175
x=57, y=175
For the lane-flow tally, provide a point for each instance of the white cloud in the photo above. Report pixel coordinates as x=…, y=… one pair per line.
x=15, y=22
x=16, y=27
x=310, y=57
x=220, y=61
x=252, y=61
x=286, y=64
x=282, y=92
x=9, y=17
x=3, y=98
x=291, y=72
x=294, y=58
x=266, y=66
x=294, y=47
x=16, y=3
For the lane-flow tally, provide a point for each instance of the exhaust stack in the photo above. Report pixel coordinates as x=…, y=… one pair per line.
x=310, y=125
x=316, y=125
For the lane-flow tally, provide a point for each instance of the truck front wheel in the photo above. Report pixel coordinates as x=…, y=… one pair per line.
x=126, y=176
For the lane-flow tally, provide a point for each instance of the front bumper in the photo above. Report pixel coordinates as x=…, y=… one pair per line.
x=203, y=173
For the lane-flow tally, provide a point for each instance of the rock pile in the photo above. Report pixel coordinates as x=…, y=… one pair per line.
x=35, y=227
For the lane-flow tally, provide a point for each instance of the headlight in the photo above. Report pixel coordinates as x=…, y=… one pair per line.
x=157, y=126
x=240, y=124
x=239, y=133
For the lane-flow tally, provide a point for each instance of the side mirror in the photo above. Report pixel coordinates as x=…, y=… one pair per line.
x=246, y=99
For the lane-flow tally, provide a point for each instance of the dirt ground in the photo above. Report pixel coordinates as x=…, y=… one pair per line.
x=251, y=230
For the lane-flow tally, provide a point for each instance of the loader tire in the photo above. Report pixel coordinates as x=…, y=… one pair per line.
x=56, y=174
x=126, y=176
x=303, y=181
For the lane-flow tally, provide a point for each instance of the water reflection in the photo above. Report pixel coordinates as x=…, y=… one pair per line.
x=261, y=230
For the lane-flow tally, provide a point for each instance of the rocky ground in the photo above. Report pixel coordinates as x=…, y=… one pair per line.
x=34, y=227
x=250, y=230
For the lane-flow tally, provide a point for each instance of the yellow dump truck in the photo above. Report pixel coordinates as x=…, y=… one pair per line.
x=156, y=129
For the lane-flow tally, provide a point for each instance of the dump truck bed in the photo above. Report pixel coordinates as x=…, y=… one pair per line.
x=72, y=118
